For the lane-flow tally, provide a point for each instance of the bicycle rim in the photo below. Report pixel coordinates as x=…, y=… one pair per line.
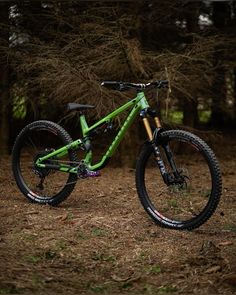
x=183, y=201
x=44, y=184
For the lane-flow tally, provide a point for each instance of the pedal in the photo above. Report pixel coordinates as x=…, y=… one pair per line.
x=84, y=172
x=93, y=173
x=88, y=173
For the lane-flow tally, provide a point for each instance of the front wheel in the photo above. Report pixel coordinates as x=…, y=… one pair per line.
x=190, y=190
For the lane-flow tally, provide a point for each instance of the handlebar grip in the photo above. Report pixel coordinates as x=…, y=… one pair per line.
x=111, y=84
x=114, y=85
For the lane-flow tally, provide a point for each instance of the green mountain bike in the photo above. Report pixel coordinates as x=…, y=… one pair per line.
x=178, y=178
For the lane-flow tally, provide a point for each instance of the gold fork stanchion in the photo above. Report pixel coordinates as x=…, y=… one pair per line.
x=158, y=122
x=148, y=128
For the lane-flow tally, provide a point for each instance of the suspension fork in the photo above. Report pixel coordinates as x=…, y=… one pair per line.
x=152, y=139
x=153, y=114
x=170, y=159
x=167, y=150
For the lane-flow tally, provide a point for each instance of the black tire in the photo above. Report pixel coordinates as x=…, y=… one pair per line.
x=195, y=200
x=36, y=138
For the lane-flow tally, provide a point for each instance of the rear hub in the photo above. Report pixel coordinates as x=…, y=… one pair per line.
x=42, y=172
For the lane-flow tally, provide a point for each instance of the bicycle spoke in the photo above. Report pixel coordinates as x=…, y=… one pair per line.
x=188, y=182
x=33, y=145
x=43, y=182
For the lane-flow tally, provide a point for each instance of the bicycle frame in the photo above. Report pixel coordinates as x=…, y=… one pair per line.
x=138, y=104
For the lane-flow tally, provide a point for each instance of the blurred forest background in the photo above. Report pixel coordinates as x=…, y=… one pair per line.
x=54, y=52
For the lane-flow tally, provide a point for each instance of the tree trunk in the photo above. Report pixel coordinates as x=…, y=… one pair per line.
x=4, y=81
x=234, y=75
x=218, y=108
x=190, y=112
x=234, y=110
x=220, y=16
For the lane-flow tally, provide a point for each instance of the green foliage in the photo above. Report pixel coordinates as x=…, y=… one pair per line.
x=172, y=203
x=204, y=116
x=98, y=232
x=19, y=109
x=70, y=216
x=155, y=269
x=231, y=227
x=142, y=255
x=32, y=258
x=127, y=285
x=29, y=237
x=152, y=289
x=36, y=280
x=11, y=290
x=60, y=245
x=81, y=235
x=167, y=289
x=174, y=116
x=98, y=289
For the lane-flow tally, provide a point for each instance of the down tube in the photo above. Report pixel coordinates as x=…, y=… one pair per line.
x=129, y=120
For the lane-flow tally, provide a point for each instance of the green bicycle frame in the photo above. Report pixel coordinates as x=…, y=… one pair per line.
x=137, y=104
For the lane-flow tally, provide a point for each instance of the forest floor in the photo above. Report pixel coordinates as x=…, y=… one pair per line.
x=100, y=240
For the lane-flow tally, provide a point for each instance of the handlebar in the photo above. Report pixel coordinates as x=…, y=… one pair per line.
x=123, y=86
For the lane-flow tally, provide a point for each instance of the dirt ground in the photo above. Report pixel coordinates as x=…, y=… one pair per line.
x=100, y=240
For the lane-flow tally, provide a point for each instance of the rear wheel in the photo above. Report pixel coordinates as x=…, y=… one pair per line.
x=184, y=198
x=42, y=185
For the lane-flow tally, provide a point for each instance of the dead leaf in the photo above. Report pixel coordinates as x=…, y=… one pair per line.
x=32, y=212
x=127, y=279
x=118, y=279
x=102, y=195
x=225, y=243
x=213, y=269
x=63, y=217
